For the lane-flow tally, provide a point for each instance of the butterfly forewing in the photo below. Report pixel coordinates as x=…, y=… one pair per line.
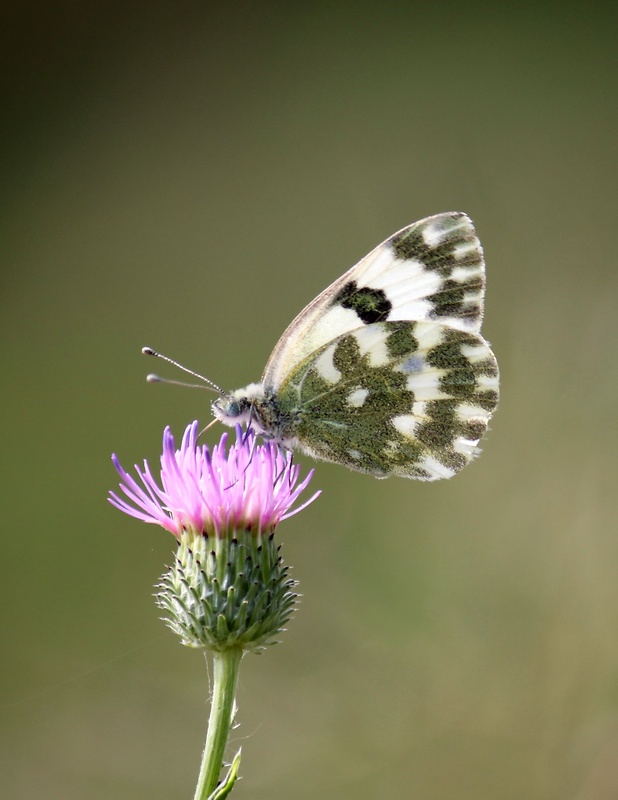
x=431, y=270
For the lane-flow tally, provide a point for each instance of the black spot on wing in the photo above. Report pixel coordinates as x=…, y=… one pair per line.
x=370, y=305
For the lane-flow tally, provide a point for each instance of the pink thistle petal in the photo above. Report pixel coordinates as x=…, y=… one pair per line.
x=214, y=491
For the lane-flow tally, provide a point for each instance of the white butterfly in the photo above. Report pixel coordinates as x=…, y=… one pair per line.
x=385, y=371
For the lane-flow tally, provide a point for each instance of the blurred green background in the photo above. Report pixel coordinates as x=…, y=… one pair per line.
x=188, y=176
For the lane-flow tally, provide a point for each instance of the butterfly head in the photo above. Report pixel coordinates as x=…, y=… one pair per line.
x=238, y=407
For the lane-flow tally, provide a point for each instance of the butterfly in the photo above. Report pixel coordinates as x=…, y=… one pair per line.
x=386, y=371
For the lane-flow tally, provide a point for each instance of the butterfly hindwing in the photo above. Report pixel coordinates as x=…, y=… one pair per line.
x=403, y=398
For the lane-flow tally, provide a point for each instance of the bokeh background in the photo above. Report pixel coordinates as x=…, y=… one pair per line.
x=188, y=176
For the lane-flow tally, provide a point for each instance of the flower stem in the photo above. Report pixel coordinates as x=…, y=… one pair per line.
x=225, y=663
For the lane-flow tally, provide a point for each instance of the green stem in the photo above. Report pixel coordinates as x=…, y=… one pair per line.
x=226, y=663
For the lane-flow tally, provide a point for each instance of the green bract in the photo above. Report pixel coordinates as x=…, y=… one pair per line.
x=227, y=592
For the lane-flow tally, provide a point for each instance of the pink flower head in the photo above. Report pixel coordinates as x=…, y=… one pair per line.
x=249, y=487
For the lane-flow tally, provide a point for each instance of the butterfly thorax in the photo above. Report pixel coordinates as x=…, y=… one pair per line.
x=256, y=407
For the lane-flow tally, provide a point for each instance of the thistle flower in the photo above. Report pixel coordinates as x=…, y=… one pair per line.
x=228, y=586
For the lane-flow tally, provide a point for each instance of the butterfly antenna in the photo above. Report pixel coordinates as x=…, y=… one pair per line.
x=148, y=351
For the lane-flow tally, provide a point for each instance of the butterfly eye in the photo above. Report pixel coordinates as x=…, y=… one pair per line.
x=227, y=408
x=232, y=408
